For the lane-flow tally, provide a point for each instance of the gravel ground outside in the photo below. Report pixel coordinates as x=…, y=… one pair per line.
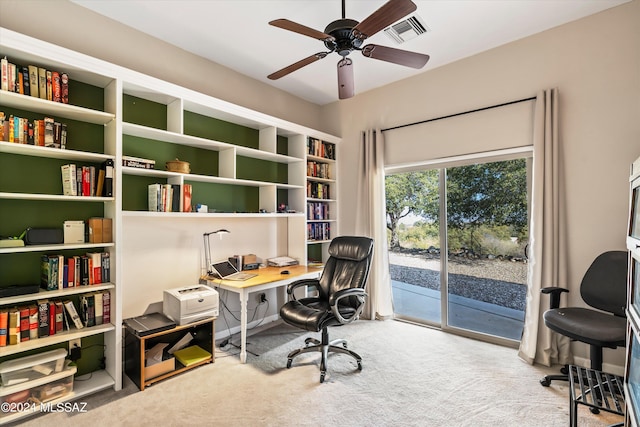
x=495, y=281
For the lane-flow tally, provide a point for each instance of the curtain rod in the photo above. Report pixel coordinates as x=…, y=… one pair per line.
x=459, y=114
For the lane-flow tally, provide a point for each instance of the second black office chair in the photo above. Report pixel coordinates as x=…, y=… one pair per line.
x=603, y=287
x=340, y=298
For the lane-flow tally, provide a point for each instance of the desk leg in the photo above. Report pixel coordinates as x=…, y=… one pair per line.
x=244, y=296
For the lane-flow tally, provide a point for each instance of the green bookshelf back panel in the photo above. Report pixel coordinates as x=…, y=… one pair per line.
x=46, y=176
x=261, y=170
x=85, y=95
x=282, y=197
x=225, y=198
x=143, y=112
x=18, y=215
x=282, y=145
x=314, y=252
x=201, y=162
x=135, y=192
x=81, y=136
x=219, y=130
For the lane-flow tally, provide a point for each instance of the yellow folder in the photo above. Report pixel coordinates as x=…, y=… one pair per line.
x=191, y=355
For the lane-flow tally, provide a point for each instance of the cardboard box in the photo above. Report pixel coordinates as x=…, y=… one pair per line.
x=99, y=230
x=158, y=369
x=73, y=231
x=107, y=236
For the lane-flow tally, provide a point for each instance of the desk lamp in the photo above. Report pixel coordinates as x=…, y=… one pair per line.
x=207, y=246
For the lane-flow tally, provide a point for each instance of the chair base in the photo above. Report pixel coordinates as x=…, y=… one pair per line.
x=324, y=347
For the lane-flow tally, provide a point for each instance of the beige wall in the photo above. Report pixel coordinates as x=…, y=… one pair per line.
x=595, y=63
x=71, y=26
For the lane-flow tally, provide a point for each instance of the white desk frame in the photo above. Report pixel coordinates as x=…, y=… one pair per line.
x=267, y=278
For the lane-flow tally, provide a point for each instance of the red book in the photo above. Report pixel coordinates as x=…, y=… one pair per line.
x=52, y=318
x=33, y=321
x=86, y=181
x=71, y=272
x=56, y=88
x=59, y=317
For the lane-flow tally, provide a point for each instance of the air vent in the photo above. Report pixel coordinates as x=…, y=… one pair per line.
x=406, y=29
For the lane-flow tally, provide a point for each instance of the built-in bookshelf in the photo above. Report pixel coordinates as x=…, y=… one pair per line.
x=243, y=166
x=321, y=197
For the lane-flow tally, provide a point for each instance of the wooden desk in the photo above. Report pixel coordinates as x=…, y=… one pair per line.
x=267, y=278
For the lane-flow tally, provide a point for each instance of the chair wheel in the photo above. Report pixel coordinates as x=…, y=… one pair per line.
x=564, y=370
x=344, y=344
x=289, y=363
x=545, y=382
x=359, y=366
x=594, y=410
x=321, y=377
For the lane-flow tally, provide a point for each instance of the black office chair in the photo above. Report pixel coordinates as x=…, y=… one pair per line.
x=604, y=287
x=340, y=298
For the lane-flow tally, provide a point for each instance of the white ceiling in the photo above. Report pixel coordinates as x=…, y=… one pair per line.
x=236, y=33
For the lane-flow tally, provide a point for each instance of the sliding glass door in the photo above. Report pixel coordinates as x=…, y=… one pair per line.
x=457, y=246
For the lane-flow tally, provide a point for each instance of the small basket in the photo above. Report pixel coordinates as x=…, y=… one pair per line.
x=178, y=166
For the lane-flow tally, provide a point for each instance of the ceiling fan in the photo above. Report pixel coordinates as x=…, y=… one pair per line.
x=346, y=35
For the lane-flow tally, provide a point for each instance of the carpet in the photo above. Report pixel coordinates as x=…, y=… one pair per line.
x=412, y=376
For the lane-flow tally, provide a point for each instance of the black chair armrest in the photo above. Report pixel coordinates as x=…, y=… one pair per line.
x=291, y=287
x=335, y=298
x=554, y=294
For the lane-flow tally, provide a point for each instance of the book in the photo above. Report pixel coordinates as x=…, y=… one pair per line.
x=154, y=197
x=56, y=90
x=42, y=83
x=108, y=166
x=106, y=307
x=76, y=276
x=59, y=317
x=24, y=324
x=4, y=327
x=84, y=270
x=100, y=182
x=191, y=355
x=64, y=88
x=33, y=81
x=73, y=314
x=24, y=81
x=98, y=307
x=49, y=272
x=43, y=318
x=61, y=276
x=71, y=272
x=69, y=187
x=48, y=132
x=49, y=75
x=14, y=326
x=33, y=321
x=186, y=201
x=95, y=268
x=176, y=198
x=106, y=267
x=4, y=75
x=52, y=318
x=88, y=310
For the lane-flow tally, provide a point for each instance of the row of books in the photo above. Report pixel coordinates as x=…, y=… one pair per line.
x=34, y=81
x=87, y=180
x=317, y=211
x=318, y=148
x=319, y=231
x=58, y=272
x=318, y=190
x=50, y=317
x=45, y=132
x=319, y=170
x=170, y=197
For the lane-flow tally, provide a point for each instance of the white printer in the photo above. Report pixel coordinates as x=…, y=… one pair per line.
x=190, y=303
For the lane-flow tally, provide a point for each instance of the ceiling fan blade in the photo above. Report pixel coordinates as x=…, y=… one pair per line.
x=300, y=29
x=296, y=66
x=389, y=13
x=345, y=79
x=397, y=56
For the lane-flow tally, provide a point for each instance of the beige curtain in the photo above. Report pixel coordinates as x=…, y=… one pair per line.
x=371, y=222
x=547, y=253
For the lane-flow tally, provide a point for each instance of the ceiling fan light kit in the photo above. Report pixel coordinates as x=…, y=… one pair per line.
x=343, y=36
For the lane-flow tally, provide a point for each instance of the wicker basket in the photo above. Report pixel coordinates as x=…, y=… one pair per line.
x=178, y=166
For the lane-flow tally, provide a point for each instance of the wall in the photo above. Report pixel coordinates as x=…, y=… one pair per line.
x=595, y=63
x=68, y=25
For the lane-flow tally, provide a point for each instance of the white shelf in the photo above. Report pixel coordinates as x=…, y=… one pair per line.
x=43, y=106
x=55, y=339
x=318, y=179
x=52, y=248
x=319, y=159
x=192, y=215
x=43, y=294
x=54, y=197
x=51, y=153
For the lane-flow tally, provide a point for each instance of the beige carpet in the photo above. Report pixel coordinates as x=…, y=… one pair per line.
x=412, y=376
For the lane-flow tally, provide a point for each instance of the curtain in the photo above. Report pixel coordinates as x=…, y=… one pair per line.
x=547, y=253
x=371, y=222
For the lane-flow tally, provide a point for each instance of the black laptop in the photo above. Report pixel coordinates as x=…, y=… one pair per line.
x=148, y=324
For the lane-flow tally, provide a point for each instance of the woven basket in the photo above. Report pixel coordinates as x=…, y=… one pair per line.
x=178, y=166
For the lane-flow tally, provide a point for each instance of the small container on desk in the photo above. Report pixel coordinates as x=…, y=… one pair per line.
x=136, y=350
